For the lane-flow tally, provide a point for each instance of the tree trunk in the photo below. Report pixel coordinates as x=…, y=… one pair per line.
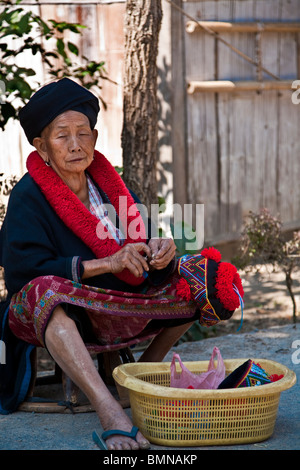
x=289, y=283
x=140, y=114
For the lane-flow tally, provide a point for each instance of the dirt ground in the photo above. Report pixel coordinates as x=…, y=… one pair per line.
x=267, y=304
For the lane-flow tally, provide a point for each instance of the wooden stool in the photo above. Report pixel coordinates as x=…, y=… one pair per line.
x=70, y=402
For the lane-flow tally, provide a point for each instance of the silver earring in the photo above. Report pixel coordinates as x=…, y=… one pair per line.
x=47, y=163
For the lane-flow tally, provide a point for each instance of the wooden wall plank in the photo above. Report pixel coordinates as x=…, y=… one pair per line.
x=228, y=86
x=201, y=122
x=235, y=27
x=236, y=138
x=111, y=50
x=178, y=105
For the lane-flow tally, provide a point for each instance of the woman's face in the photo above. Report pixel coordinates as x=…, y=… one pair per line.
x=67, y=143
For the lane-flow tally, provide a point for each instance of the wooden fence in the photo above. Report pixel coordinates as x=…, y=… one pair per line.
x=241, y=149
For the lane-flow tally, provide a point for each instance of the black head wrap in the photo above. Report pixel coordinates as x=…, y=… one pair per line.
x=54, y=99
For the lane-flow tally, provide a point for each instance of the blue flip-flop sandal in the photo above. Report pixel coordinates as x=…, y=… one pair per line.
x=100, y=441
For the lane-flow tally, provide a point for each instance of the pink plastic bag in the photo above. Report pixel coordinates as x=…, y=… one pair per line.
x=207, y=380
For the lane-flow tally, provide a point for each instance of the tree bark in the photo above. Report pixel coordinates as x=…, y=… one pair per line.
x=289, y=283
x=140, y=113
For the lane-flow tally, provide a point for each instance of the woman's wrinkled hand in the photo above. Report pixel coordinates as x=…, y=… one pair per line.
x=162, y=252
x=133, y=257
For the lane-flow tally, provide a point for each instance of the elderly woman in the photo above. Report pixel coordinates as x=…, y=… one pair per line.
x=81, y=268
x=73, y=274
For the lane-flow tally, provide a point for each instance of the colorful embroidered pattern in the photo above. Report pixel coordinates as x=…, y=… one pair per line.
x=194, y=270
x=118, y=318
x=255, y=375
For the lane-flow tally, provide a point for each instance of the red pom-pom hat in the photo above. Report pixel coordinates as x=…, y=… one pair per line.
x=183, y=289
x=212, y=253
x=227, y=277
x=216, y=286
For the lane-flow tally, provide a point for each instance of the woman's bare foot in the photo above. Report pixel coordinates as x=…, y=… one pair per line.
x=116, y=418
x=68, y=350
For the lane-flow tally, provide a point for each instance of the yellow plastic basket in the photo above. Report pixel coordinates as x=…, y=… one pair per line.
x=179, y=417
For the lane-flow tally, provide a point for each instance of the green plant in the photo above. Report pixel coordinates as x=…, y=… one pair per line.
x=263, y=243
x=23, y=31
x=184, y=237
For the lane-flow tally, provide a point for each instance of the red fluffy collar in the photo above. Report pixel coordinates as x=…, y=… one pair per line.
x=78, y=218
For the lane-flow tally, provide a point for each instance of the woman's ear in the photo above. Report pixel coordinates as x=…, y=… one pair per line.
x=95, y=134
x=40, y=145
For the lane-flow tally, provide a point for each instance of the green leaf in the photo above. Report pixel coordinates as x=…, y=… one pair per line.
x=7, y=111
x=44, y=26
x=18, y=84
x=25, y=71
x=13, y=16
x=119, y=169
x=75, y=27
x=24, y=24
x=73, y=48
x=61, y=47
x=62, y=26
x=35, y=48
x=51, y=54
x=183, y=235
